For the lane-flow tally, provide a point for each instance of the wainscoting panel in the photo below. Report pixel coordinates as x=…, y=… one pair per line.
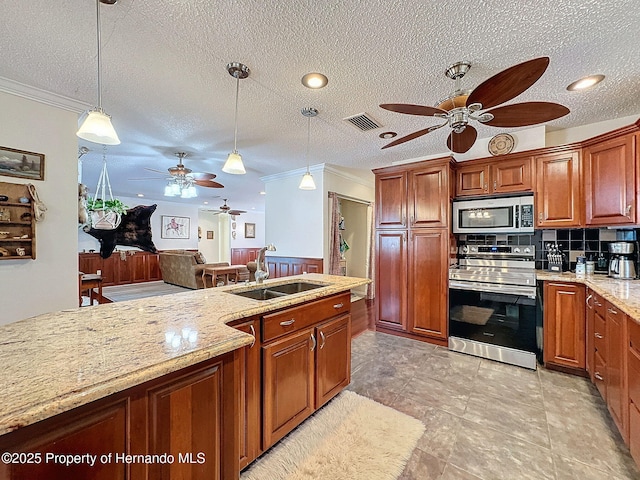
x=287, y=266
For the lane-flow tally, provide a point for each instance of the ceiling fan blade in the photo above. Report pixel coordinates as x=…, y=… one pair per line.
x=208, y=183
x=463, y=141
x=509, y=83
x=163, y=172
x=236, y=212
x=202, y=175
x=409, y=109
x=526, y=113
x=145, y=178
x=411, y=136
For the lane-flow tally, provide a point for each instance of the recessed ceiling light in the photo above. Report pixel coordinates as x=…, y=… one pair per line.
x=586, y=82
x=141, y=194
x=314, y=80
x=387, y=134
x=206, y=203
x=263, y=193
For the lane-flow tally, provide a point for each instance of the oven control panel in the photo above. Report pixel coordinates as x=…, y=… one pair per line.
x=521, y=251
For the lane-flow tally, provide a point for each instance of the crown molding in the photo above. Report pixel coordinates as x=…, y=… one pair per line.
x=335, y=170
x=42, y=96
x=298, y=172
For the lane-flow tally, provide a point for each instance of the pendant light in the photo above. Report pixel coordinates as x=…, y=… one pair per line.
x=97, y=126
x=307, y=182
x=234, y=163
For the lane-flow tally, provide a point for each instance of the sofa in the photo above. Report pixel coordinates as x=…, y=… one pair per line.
x=183, y=268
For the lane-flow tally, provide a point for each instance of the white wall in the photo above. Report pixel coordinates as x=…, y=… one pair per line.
x=86, y=242
x=50, y=282
x=257, y=218
x=293, y=217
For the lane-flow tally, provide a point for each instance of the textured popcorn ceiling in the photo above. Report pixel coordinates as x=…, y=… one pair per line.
x=166, y=86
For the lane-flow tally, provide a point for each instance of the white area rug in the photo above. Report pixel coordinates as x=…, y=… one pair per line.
x=351, y=438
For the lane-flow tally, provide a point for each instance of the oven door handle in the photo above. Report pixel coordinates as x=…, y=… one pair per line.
x=493, y=288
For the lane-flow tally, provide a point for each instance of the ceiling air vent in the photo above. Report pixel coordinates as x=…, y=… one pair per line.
x=362, y=122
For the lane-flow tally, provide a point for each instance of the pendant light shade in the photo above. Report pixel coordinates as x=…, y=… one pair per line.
x=234, y=164
x=97, y=127
x=307, y=182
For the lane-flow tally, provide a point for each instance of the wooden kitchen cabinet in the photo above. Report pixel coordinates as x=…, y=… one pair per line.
x=130, y=266
x=617, y=396
x=633, y=375
x=558, y=190
x=495, y=177
x=306, y=360
x=610, y=182
x=428, y=285
x=564, y=325
x=412, y=259
x=391, y=199
x=250, y=394
x=192, y=411
x=391, y=281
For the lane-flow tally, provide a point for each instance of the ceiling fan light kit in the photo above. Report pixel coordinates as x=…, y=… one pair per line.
x=97, y=126
x=307, y=182
x=234, y=164
x=464, y=106
x=585, y=83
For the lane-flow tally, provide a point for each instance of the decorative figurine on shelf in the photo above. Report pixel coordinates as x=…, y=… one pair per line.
x=5, y=215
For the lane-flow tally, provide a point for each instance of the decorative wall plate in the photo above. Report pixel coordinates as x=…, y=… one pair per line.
x=501, y=144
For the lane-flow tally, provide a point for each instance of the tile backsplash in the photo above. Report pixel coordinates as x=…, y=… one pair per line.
x=589, y=242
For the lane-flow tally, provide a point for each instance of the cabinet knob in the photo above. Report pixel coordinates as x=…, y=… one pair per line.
x=288, y=322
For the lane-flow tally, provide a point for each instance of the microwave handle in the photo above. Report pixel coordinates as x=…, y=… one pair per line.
x=517, y=222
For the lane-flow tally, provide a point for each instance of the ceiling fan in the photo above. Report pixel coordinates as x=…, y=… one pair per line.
x=198, y=178
x=227, y=209
x=482, y=105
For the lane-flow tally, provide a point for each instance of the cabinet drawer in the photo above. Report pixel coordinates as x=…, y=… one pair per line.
x=296, y=318
x=599, y=375
x=599, y=340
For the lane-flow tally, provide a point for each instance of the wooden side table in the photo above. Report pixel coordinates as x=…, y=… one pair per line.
x=227, y=272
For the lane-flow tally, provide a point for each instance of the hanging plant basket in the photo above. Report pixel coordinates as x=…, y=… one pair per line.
x=105, y=213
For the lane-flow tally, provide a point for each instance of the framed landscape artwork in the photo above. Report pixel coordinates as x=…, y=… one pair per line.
x=21, y=164
x=175, y=227
x=249, y=230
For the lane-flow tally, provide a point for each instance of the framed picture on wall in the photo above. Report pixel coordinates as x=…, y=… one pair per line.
x=175, y=227
x=249, y=230
x=209, y=234
x=21, y=164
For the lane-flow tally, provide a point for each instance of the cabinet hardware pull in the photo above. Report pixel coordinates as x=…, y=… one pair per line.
x=598, y=376
x=253, y=332
x=597, y=302
x=628, y=211
x=323, y=339
x=338, y=305
x=495, y=185
x=611, y=310
x=590, y=296
x=313, y=339
x=599, y=335
x=412, y=217
x=288, y=322
x=486, y=187
x=540, y=216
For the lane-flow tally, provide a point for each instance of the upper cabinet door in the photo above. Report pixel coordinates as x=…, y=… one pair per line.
x=472, y=180
x=512, y=175
x=558, y=183
x=610, y=182
x=429, y=197
x=391, y=200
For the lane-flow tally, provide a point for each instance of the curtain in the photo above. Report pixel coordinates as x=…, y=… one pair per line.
x=334, y=240
x=371, y=271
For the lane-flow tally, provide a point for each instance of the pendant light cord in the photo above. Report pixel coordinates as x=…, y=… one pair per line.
x=99, y=56
x=308, y=140
x=235, y=135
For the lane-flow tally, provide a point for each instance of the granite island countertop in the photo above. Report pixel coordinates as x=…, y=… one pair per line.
x=625, y=294
x=58, y=361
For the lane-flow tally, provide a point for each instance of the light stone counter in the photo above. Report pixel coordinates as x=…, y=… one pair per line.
x=625, y=294
x=58, y=361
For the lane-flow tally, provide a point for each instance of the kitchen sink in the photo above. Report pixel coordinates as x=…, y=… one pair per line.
x=276, y=291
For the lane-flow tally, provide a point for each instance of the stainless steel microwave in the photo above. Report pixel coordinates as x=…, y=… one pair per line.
x=494, y=215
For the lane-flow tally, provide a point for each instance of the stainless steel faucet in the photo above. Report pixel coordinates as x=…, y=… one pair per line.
x=262, y=272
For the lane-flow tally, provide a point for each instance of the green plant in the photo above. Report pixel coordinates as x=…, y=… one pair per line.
x=114, y=205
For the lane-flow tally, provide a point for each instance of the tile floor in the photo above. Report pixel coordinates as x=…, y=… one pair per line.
x=490, y=421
